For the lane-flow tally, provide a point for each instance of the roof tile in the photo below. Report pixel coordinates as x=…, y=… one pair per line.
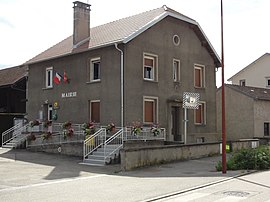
x=11, y=75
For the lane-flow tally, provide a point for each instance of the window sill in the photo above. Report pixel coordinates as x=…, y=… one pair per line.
x=200, y=124
x=203, y=88
x=149, y=80
x=47, y=88
x=94, y=81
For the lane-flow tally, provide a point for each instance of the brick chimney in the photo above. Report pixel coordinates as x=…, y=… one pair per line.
x=81, y=25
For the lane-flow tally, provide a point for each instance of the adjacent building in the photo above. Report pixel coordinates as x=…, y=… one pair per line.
x=256, y=74
x=247, y=112
x=132, y=69
x=13, y=96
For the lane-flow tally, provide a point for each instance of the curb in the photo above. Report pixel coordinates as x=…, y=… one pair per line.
x=199, y=187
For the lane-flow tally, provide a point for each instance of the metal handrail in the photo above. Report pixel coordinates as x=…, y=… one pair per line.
x=15, y=133
x=144, y=134
x=93, y=142
x=11, y=129
x=118, y=136
x=5, y=133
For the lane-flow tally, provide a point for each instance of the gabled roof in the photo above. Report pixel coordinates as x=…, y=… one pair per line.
x=123, y=31
x=252, y=92
x=249, y=66
x=11, y=75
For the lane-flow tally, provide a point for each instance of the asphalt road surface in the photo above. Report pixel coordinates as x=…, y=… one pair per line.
x=29, y=176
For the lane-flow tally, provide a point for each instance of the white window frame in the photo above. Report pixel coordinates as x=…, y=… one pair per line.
x=176, y=72
x=204, y=114
x=155, y=115
x=92, y=62
x=90, y=110
x=202, y=75
x=49, y=78
x=154, y=72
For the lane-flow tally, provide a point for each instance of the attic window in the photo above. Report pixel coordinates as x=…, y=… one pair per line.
x=176, y=40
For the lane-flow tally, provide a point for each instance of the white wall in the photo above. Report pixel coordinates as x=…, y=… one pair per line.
x=255, y=74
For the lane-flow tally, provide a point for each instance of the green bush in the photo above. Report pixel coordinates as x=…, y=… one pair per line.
x=248, y=159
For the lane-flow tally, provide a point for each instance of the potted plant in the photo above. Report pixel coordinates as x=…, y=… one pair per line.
x=31, y=137
x=33, y=123
x=155, y=130
x=89, y=128
x=110, y=127
x=68, y=131
x=136, y=128
x=66, y=125
x=47, y=123
x=47, y=135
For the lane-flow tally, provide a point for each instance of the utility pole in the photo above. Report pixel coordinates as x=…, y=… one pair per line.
x=224, y=164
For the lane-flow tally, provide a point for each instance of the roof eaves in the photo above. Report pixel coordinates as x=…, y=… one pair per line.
x=156, y=20
x=145, y=27
x=209, y=43
x=72, y=53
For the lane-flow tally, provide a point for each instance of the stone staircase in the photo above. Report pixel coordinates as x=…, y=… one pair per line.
x=103, y=156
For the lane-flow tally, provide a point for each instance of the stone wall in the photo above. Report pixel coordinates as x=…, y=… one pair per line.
x=151, y=155
x=71, y=146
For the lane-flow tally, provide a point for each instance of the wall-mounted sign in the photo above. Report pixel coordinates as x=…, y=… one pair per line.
x=69, y=94
x=55, y=105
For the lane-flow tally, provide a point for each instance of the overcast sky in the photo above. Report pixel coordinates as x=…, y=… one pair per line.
x=28, y=27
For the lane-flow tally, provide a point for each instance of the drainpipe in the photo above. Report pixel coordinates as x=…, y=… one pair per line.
x=121, y=83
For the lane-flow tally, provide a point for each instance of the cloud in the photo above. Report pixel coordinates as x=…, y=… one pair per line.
x=6, y=22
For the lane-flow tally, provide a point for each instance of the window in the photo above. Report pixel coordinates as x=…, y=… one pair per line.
x=95, y=111
x=200, y=114
x=150, y=67
x=199, y=76
x=50, y=110
x=176, y=70
x=176, y=40
x=95, y=69
x=242, y=82
x=267, y=81
x=49, y=77
x=266, y=129
x=150, y=110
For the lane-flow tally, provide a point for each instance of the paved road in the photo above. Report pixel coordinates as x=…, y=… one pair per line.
x=254, y=187
x=28, y=176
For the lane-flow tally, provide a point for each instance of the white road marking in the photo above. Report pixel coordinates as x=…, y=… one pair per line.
x=187, y=197
x=49, y=183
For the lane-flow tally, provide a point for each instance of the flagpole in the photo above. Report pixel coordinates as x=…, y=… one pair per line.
x=224, y=164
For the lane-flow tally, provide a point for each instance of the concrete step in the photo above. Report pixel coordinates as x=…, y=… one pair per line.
x=8, y=146
x=94, y=162
x=96, y=157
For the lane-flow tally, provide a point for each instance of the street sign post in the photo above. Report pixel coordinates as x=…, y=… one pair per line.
x=190, y=101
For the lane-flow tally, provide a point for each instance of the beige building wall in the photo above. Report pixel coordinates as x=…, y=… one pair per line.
x=239, y=115
x=255, y=74
x=261, y=115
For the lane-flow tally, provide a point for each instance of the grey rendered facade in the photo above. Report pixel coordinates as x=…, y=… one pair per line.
x=247, y=112
x=155, y=39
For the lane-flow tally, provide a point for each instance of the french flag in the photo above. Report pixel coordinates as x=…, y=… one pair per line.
x=57, y=79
